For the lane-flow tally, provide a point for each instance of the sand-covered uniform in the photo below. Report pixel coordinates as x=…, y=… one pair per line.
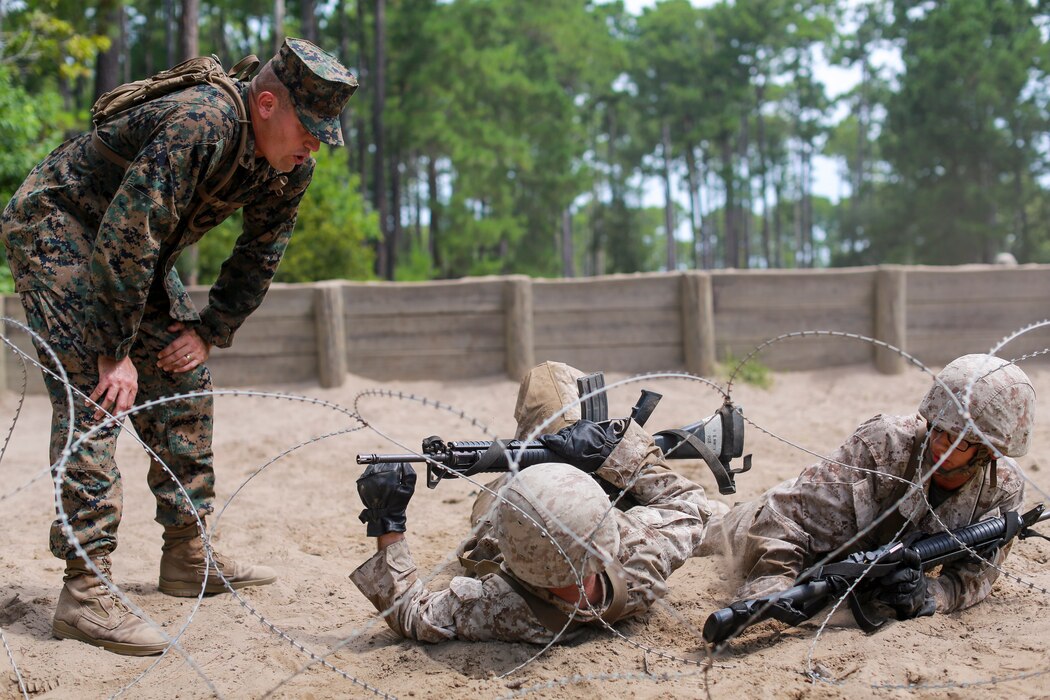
x=776, y=537
x=655, y=537
x=92, y=248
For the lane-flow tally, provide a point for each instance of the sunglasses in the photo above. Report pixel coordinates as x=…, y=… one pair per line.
x=963, y=445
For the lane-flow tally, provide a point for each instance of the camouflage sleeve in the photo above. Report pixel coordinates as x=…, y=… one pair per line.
x=157, y=188
x=469, y=609
x=801, y=520
x=668, y=524
x=246, y=275
x=963, y=584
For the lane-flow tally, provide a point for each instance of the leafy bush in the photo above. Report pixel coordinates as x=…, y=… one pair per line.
x=334, y=235
x=753, y=372
x=30, y=127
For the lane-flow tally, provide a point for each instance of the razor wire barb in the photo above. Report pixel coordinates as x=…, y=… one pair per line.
x=359, y=422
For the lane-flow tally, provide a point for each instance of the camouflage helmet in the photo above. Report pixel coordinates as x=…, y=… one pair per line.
x=1001, y=406
x=318, y=84
x=554, y=526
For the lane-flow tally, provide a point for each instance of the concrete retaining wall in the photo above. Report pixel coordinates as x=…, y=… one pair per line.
x=629, y=323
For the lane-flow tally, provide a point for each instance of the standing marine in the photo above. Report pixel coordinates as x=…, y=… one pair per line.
x=92, y=237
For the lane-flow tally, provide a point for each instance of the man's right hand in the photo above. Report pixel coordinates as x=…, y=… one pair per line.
x=585, y=444
x=118, y=383
x=385, y=490
x=905, y=589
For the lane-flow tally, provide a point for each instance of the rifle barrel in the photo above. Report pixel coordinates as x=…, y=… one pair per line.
x=940, y=548
x=393, y=459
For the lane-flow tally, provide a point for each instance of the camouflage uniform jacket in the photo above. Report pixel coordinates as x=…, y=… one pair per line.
x=82, y=226
x=795, y=524
x=656, y=537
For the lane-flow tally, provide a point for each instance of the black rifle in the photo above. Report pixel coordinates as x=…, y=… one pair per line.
x=831, y=581
x=717, y=439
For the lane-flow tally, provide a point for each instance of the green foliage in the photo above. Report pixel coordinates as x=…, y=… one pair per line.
x=501, y=117
x=752, y=372
x=417, y=266
x=38, y=38
x=27, y=134
x=961, y=131
x=27, y=130
x=334, y=235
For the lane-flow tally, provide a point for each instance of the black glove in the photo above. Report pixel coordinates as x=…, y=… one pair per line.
x=386, y=489
x=585, y=444
x=904, y=589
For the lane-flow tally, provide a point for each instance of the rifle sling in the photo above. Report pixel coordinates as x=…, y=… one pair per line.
x=722, y=476
x=548, y=614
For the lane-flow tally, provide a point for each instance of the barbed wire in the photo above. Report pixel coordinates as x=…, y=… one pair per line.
x=358, y=422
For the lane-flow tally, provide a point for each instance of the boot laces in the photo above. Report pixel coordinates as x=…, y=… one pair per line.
x=119, y=605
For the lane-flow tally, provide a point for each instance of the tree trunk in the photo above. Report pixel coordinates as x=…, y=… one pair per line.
x=807, y=203
x=763, y=164
x=778, y=229
x=696, y=216
x=107, y=67
x=732, y=252
x=125, y=48
x=745, y=207
x=386, y=258
x=152, y=19
x=1024, y=240
x=189, y=29
x=397, y=238
x=417, y=200
x=172, y=19
x=568, y=262
x=278, y=24
x=343, y=27
x=434, y=205
x=669, y=222
x=364, y=78
x=190, y=48
x=707, y=235
x=309, y=19
x=221, y=47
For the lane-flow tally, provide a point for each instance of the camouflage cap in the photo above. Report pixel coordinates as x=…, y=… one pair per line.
x=1001, y=406
x=555, y=526
x=319, y=86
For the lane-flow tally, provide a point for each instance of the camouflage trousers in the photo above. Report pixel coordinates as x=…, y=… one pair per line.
x=179, y=432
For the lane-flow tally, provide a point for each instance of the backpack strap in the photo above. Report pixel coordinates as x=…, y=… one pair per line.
x=106, y=152
x=244, y=68
x=227, y=86
x=223, y=82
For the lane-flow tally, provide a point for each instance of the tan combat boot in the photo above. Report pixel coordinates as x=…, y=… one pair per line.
x=88, y=612
x=182, y=566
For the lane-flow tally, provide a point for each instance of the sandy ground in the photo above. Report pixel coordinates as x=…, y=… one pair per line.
x=298, y=513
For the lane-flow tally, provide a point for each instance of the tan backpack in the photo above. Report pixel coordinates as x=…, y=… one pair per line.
x=196, y=71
